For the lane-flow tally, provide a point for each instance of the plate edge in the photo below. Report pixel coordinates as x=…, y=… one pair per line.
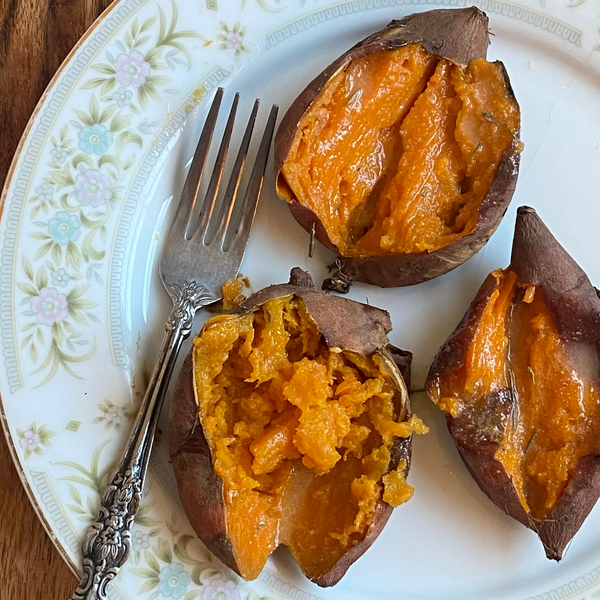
x=9, y=176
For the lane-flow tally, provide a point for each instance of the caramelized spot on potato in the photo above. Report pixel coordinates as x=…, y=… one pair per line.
x=555, y=414
x=300, y=434
x=399, y=149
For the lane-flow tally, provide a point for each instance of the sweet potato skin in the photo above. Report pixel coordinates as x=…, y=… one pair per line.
x=538, y=259
x=459, y=35
x=345, y=324
x=201, y=489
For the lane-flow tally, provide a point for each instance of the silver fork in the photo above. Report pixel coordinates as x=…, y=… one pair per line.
x=197, y=259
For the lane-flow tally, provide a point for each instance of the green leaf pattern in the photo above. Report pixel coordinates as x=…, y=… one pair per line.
x=73, y=208
x=177, y=565
x=87, y=484
x=171, y=562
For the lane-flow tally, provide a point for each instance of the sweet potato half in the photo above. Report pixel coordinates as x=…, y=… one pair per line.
x=403, y=154
x=519, y=381
x=291, y=424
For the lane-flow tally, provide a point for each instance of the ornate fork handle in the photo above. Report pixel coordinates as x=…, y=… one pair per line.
x=107, y=543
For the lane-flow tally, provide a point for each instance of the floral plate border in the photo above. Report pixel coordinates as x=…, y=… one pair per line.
x=85, y=196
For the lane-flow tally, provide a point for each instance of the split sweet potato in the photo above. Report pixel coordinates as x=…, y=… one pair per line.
x=403, y=154
x=291, y=424
x=519, y=381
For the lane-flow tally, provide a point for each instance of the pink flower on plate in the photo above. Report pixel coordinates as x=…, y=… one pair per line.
x=30, y=440
x=219, y=589
x=234, y=40
x=132, y=69
x=50, y=306
x=114, y=415
x=93, y=188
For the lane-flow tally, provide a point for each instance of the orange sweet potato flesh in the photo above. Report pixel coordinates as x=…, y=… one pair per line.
x=277, y=405
x=519, y=383
x=403, y=154
x=399, y=150
x=308, y=442
x=517, y=345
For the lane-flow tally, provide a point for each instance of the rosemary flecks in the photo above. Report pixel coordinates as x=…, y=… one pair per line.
x=489, y=117
x=529, y=443
x=472, y=157
x=512, y=133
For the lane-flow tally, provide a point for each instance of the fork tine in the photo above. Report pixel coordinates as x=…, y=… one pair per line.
x=238, y=236
x=208, y=204
x=234, y=180
x=194, y=177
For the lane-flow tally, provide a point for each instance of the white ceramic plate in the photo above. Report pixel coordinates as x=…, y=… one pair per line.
x=81, y=311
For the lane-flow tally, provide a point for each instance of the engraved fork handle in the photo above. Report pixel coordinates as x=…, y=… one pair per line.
x=107, y=543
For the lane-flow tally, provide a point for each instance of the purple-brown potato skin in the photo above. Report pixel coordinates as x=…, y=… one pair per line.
x=537, y=259
x=201, y=489
x=461, y=36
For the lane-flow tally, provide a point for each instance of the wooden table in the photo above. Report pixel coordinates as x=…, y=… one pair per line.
x=35, y=37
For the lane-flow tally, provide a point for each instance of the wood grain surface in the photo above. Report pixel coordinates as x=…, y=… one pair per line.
x=35, y=37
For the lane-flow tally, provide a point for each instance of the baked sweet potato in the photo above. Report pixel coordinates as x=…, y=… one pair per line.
x=291, y=424
x=519, y=381
x=403, y=154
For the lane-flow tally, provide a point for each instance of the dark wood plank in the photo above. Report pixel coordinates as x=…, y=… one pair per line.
x=35, y=37
x=31, y=566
